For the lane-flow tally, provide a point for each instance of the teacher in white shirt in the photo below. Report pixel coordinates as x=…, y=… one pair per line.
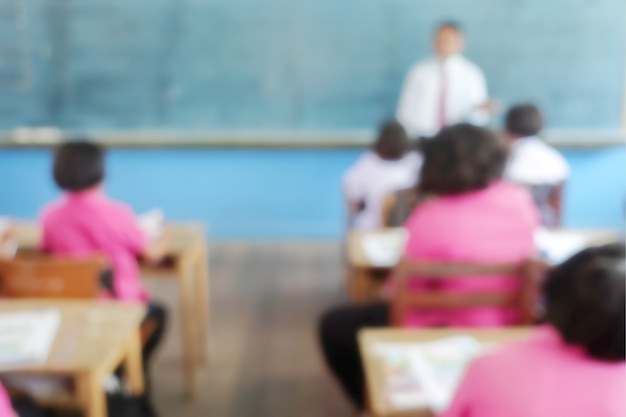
x=445, y=89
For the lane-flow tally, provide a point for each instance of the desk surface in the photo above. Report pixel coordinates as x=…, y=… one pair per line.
x=357, y=257
x=180, y=235
x=373, y=366
x=92, y=335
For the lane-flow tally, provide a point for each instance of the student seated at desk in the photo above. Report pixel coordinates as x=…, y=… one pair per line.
x=84, y=222
x=471, y=217
x=388, y=167
x=574, y=365
x=535, y=164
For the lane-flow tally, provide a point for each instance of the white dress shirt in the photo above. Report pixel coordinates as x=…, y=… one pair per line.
x=371, y=179
x=533, y=162
x=465, y=90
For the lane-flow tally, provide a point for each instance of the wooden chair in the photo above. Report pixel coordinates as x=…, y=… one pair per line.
x=36, y=275
x=530, y=274
x=50, y=277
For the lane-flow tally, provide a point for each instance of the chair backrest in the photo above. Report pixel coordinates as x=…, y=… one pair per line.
x=49, y=277
x=529, y=272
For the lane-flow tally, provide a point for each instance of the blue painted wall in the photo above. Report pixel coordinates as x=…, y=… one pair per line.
x=268, y=194
x=293, y=64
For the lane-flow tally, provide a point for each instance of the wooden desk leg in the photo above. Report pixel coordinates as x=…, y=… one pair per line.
x=203, y=304
x=91, y=394
x=188, y=324
x=357, y=285
x=133, y=365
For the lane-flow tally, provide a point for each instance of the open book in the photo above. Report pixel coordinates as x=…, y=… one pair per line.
x=425, y=375
x=26, y=337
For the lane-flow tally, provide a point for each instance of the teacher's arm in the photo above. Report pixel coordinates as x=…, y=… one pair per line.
x=484, y=107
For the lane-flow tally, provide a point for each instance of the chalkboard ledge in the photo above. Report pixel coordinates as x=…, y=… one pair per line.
x=43, y=138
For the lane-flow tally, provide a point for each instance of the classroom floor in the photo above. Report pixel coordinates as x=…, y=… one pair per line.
x=266, y=298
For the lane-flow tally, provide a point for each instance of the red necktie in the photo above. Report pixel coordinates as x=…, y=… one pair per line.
x=443, y=90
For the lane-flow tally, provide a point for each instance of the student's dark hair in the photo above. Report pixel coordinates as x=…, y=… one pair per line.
x=78, y=165
x=392, y=142
x=585, y=301
x=449, y=24
x=524, y=120
x=461, y=158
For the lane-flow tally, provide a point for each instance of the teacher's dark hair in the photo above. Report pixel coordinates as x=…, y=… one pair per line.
x=585, y=301
x=392, y=142
x=461, y=158
x=78, y=165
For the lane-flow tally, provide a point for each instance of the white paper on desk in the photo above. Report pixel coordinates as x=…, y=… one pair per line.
x=27, y=336
x=152, y=223
x=9, y=248
x=558, y=245
x=441, y=364
x=384, y=249
x=401, y=388
x=425, y=375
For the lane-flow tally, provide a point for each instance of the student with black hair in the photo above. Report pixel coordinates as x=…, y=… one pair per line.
x=445, y=89
x=85, y=222
x=388, y=167
x=470, y=215
x=535, y=164
x=573, y=365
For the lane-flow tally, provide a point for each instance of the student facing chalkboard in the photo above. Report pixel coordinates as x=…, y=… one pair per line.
x=388, y=167
x=535, y=164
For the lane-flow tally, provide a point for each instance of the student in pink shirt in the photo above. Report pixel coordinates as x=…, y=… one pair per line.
x=20, y=407
x=85, y=222
x=574, y=365
x=471, y=216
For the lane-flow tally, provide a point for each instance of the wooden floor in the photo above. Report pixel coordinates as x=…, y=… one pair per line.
x=266, y=298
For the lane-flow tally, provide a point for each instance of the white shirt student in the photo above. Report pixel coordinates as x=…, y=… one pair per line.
x=387, y=168
x=533, y=163
x=444, y=90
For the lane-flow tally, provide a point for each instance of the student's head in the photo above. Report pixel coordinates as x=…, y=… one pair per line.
x=585, y=301
x=392, y=142
x=78, y=166
x=523, y=120
x=448, y=40
x=460, y=159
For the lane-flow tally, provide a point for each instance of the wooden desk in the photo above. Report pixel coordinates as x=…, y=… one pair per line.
x=363, y=288
x=93, y=340
x=187, y=263
x=374, y=366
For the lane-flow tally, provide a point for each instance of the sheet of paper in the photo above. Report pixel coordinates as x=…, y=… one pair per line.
x=401, y=386
x=384, y=249
x=425, y=375
x=152, y=223
x=441, y=364
x=27, y=336
x=557, y=246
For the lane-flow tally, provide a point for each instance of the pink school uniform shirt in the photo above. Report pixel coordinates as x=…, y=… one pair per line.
x=6, y=410
x=540, y=377
x=86, y=223
x=492, y=225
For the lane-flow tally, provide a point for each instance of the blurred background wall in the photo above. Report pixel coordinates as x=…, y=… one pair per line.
x=295, y=66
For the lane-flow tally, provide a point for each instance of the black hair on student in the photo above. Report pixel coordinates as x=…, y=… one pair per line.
x=524, y=120
x=461, y=158
x=450, y=24
x=392, y=142
x=78, y=165
x=585, y=301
